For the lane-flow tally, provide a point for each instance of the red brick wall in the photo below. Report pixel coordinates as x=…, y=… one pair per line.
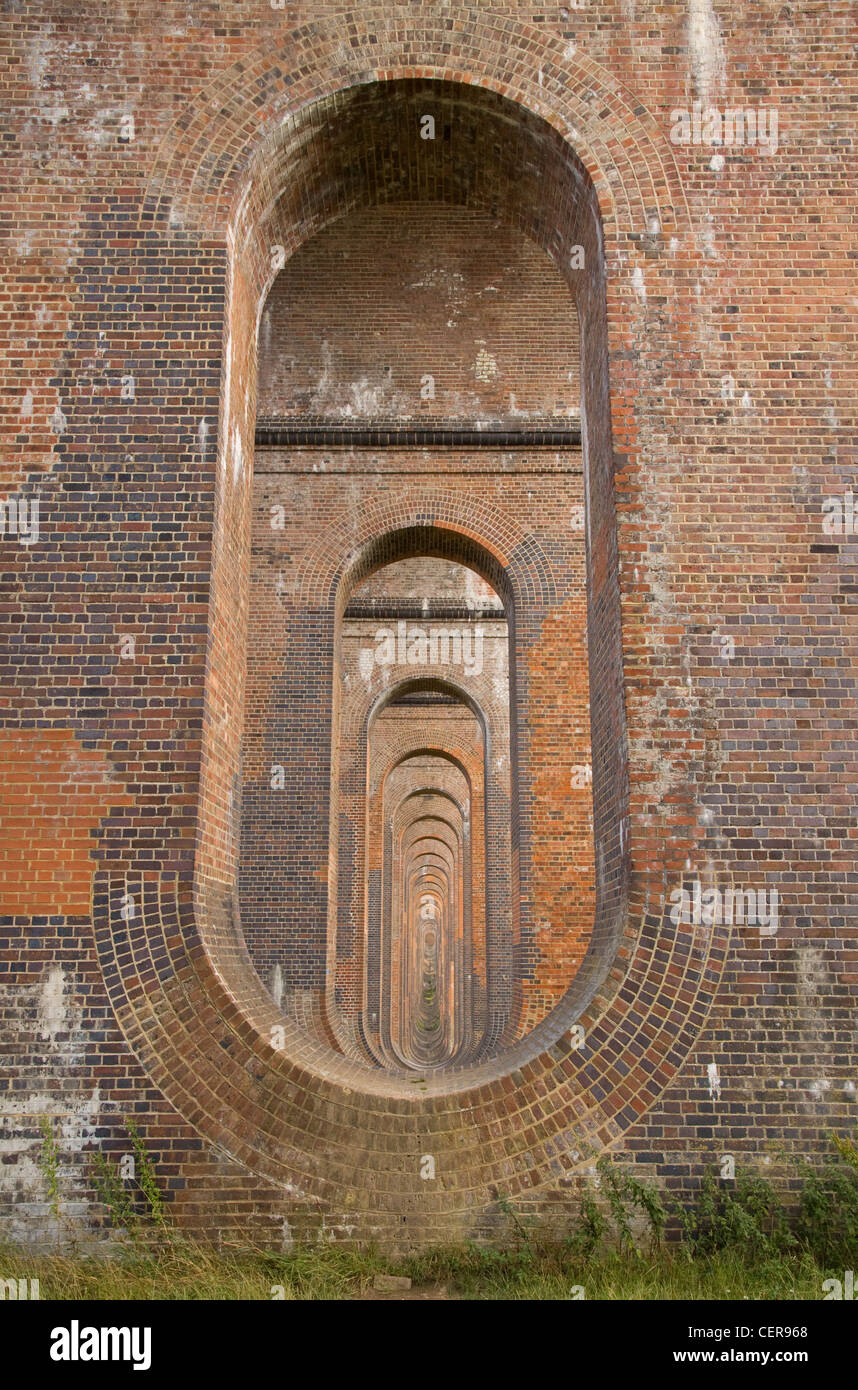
x=380, y=301
x=717, y=399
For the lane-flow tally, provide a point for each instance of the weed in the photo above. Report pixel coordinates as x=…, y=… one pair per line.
x=827, y=1221
x=112, y=1192
x=49, y=1163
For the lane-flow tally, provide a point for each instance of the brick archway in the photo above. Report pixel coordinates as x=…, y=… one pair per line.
x=179, y=977
x=201, y=180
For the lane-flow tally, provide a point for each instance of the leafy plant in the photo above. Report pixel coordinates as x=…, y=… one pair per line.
x=827, y=1221
x=49, y=1163
x=746, y=1217
x=592, y=1227
x=113, y=1193
x=523, y=1234
x=847, y=1148
x=145, y=1171
x=627, y=1195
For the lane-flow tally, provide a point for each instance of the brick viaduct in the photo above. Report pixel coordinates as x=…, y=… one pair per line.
x=430, y=584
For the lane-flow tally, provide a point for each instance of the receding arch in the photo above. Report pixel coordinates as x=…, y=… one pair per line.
x=495, y=545
x=189, y=1004
x=429, y=848
x=489, y=895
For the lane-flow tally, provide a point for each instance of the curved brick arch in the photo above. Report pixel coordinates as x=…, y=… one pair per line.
x=198, y=172
x=563, y=212
x=432, y=523
x=458, y=755
x=427, y=850
x=422, y=836
x=465, y=756
x=437, y=792
x=498, y=927
x=486, y=712
x=185, y=1024
x=435, y=817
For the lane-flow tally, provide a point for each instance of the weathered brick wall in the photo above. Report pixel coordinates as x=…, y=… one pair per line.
x=718, y=337
x=419, y=312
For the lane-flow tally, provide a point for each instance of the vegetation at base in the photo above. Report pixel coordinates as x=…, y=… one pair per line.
x=184, y=1269
x=124, y=1203
x=49, y=1163
x=738, y=1241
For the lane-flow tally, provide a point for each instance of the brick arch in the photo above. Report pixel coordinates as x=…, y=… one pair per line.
x=467, y=755
x=442, y=684
x=209, y=1050
x=434, y=524
x=565, y=208
x=423, y=835
x=430, y=852
x=505, y=818
x=179, y=980
x=458, y=754
x=446, y=796
x=201, y=175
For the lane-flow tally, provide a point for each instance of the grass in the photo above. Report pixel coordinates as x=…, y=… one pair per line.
x=185, y=1270
x=737, y=1241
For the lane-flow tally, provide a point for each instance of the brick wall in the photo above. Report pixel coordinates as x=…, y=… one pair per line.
x=157, y=160
x=419, y=312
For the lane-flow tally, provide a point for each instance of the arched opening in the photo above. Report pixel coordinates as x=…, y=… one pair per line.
x=422, y=690
x=328, y=516
x=272, y=150
x=426, y=822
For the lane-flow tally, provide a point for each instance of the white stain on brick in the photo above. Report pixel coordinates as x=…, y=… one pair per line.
x=30, y=1218
x=52, y=1012
x=706, y=50
x=486, y=366
x=366, y=662
x=707, y=237
x=277, y=985
x=714, y=1081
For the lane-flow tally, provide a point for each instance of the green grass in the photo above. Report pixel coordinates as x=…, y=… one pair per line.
x=184, y=1270
x=552, y=1274
x=739, y=1240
